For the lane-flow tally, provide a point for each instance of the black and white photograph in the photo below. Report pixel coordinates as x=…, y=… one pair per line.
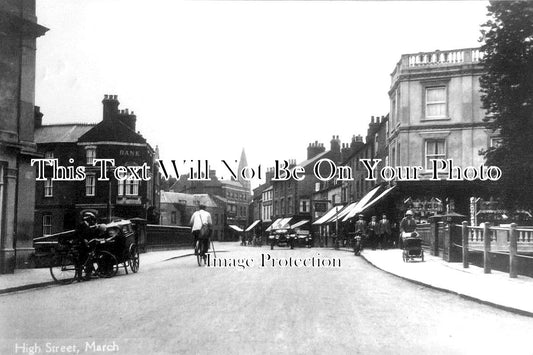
x=266, y=177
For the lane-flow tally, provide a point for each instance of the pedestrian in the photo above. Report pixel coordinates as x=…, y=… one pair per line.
x=201, y=224
x=360, y=228
x=85, y=231
x=372, y=232
x=385, y=231
x=407, y=226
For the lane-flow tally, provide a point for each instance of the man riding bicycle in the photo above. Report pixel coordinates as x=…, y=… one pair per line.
x=201, y=224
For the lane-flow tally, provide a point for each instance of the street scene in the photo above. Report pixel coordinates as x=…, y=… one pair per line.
x=173, y=306
x=266, y=177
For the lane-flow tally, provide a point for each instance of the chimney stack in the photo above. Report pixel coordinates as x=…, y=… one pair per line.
x=110, y=103
x=357, y=143
x=37, y=117
x=111, y=112
x=335, y=144
x=314, y=149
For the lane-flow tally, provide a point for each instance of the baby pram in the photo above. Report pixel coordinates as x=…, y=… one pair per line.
x=412, y=247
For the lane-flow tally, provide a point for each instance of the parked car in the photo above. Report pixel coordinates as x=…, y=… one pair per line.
x=281, y=238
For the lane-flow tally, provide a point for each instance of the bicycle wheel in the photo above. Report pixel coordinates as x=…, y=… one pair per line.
x=63, y=269
x=134, y=258
x=106, y=264
x=197, y=252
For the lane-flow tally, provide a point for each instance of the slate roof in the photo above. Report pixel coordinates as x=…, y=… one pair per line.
x=308, y=162
x=112, y=131
x=61, y=133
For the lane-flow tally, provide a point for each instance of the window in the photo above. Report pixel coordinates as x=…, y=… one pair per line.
x=303, y=206
x=48, y=188
x=216, y=219
x=47, y=224
x=90, y=153
x=90, y=185
x=398, y=161
x=436, y=102
x=128, y=187
x=173, y=218
x=435, y=149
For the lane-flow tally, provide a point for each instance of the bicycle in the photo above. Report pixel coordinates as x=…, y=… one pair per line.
x=67, y=267
x=201, y=255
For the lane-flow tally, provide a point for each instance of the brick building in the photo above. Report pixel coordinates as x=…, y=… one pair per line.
x=58, y=204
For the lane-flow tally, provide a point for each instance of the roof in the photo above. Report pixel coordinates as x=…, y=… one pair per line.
x=313, y=159
x=112, y=130
x=189, y=199
x=61, y=133
x=231, y=183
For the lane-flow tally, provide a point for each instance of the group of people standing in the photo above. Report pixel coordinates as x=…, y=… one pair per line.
x=376, y=234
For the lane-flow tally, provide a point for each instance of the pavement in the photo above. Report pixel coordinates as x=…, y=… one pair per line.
x=496, y=289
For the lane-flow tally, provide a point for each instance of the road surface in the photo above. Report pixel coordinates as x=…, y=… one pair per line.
x=176, y=307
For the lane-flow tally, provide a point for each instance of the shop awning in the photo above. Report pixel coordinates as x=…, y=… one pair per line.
x=343, y=213
x=235, y=228
x=251, y=226
x=328, y=214
x=379, y=198
x=359, y=207
x=273, y=225
x=284, y=224
x=280, y=223
x=299, y=224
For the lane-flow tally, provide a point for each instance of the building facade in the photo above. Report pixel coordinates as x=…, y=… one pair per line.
x=436, y=113
x=18, y=33
x=59, y=204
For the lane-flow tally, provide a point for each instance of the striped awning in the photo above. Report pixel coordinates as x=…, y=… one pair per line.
x=328, y=214
x=342, y=213
x=359, y=207
x=299, y=224
x=235, y=228
x=251, y=226
x=379, y=198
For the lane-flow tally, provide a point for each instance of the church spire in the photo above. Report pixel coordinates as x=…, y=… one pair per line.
x=242, y=164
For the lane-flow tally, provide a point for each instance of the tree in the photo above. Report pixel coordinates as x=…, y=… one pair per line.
x=507, y=95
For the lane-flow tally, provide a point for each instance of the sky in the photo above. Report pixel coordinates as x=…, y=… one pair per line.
x=209, y=78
